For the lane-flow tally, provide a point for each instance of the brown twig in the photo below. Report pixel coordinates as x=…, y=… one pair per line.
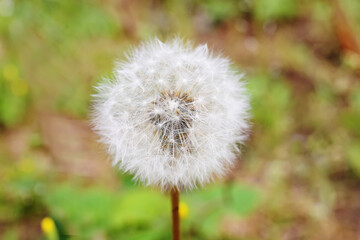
x=175, y=213
x=343, y=29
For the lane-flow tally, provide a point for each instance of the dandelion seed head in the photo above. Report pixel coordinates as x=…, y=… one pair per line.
x=173, y=114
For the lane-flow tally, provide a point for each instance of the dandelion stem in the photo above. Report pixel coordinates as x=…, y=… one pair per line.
x=175, y=213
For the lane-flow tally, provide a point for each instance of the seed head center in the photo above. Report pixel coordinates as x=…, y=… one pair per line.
x=172, y=115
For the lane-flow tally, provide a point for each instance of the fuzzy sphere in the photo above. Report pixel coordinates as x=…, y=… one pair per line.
x=172, y=115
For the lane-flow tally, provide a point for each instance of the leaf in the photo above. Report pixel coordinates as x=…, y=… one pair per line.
x=138, y=207
x=86, y=209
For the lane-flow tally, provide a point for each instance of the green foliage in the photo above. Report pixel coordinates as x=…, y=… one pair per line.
x=209, y=206
x=322, y=11
x=350, y=117
x=353, y=156
x=133, y=213
x=274, y=9
x=82, y=19
x=244, y=200
x=139, y=207
x=13, y=95
x=270, y=105
x=35, y=140
x=88, y=210
x=221, y=10
x=74, y=100
x=19, y=195
x=352, y=8
x=95, y=210
x=63, y=27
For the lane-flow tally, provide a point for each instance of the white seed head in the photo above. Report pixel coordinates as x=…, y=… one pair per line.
x=172, y=115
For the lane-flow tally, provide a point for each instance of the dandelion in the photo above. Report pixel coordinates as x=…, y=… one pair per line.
x=183, y=210
x=49, y=228
x=173, y=115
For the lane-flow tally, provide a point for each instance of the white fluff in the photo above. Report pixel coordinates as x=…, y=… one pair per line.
x=173, y=115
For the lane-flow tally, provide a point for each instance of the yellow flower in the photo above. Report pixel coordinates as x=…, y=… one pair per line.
x=183, y=210
x=49, y=228
x=10, y=72
x=48, y=225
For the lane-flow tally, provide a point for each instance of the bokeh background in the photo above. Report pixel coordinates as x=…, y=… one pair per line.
x=299, y=175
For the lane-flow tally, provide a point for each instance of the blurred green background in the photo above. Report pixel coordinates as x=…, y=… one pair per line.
x=299, y=176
